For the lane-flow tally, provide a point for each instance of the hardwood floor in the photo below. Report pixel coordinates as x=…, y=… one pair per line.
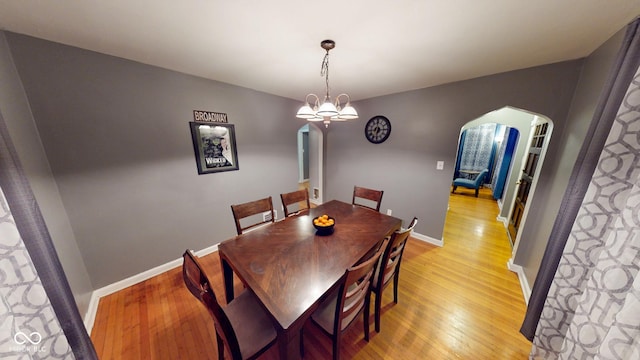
x=458, y=301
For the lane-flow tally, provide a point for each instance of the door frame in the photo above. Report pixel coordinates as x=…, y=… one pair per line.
x=528, y=173
x=534, y=184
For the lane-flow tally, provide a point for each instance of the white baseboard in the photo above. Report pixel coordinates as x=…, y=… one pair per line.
x=524, y=284
x=430, y=240
x=503, y=220
x=92, y=311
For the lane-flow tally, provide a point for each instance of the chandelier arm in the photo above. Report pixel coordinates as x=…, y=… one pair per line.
x=316, y=104
x=337, y=103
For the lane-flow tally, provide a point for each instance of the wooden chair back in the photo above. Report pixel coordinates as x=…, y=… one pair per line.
x=354, y=294
x=413, y=223
x=198, y=284
x=373, y=196
x=252, y=208
x=342, y=307
x=300, y=197
x=389, y=268
x=390, y=265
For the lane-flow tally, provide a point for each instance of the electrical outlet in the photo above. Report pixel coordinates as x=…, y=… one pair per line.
x=440, y=165
x=388, y=211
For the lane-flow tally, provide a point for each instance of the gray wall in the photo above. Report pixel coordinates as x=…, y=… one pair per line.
x=117, y=137
x=557, y=169
x=15, y=110
x=426, y=124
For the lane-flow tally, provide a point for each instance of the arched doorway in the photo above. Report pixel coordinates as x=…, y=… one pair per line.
x=525, y=163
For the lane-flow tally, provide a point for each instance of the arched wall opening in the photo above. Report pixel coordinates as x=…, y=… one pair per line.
x=525, y=123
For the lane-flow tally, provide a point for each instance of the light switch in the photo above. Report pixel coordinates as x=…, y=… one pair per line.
x=440, y=165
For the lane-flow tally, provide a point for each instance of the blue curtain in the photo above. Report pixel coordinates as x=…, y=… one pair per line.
x=504, y=162
x=456, y=173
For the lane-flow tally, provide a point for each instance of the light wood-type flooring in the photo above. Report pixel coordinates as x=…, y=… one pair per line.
x=458, y=301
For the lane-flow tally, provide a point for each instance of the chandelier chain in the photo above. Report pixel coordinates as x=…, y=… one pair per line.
x=324, y=71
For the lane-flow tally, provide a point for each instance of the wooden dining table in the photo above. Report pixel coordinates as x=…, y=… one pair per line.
x=291, y=269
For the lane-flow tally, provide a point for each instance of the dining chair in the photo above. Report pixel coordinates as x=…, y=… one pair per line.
x=242, y=327
x=298, y=200
x=340, y=310
x=373, y=198
x=389, y=268
x=413, y=223
x=253, y=209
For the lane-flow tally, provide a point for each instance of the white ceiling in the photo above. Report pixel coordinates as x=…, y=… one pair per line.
x=382, y=47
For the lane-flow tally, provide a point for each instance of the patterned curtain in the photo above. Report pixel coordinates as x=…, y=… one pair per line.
x=29, y=328
x=39, y=318
x=478, y=147
x=593, y=307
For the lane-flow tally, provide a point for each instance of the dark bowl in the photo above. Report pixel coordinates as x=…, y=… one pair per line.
x=324, y=230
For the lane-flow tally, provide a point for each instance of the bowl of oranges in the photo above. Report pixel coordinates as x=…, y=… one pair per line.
x=324, y=224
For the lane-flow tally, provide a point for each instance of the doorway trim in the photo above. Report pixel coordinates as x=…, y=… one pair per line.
x=312, y=128
x=537, y=120
x=301, y=155
x=524, y=283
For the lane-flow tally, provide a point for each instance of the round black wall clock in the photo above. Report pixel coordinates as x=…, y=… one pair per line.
x=377, y=129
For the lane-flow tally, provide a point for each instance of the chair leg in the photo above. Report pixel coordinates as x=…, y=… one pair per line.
x=395, y=286
x=476, y=192
x=367, y=303
x=336, y=345
x=454, y=189
x=220, y=347
x=377, y=306
x=302, y=343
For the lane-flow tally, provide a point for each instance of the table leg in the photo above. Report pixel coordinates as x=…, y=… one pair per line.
x=227, y=273
x=289, y=345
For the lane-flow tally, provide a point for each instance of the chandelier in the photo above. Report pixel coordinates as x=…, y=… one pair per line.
x=327, y=111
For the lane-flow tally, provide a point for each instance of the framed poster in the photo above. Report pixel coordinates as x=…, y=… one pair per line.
x=214, y=145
